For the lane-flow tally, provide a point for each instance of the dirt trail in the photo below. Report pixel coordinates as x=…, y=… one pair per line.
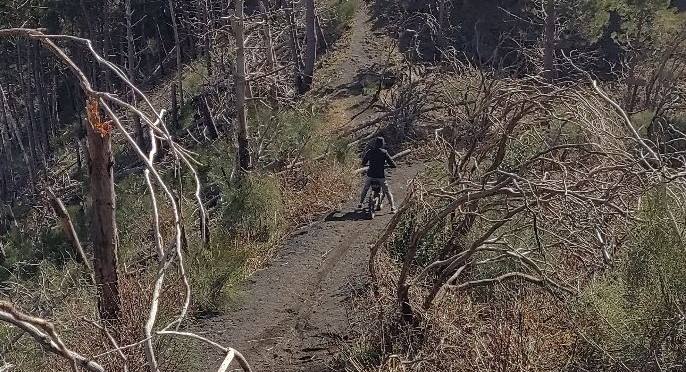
x=295, y=310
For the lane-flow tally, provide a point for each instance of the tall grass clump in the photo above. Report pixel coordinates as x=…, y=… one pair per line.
x=254, y=209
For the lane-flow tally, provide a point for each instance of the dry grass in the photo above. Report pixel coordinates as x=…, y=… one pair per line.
x=315, y=189
x=505, y=329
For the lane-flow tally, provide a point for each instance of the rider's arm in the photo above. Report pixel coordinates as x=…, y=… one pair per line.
x=365, y=159
x=389, y=160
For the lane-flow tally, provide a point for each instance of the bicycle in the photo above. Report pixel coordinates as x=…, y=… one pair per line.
x=375, y=198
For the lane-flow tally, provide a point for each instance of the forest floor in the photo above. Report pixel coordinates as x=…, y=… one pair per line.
x=294, y=313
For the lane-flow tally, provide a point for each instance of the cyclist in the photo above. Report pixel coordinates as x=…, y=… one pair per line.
x=377, y=158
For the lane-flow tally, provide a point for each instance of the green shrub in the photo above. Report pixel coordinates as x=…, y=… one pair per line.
x=345, y=10
x=289, y=132
x=254, y=209
x=214, y=269
x=340, y=16
x=634, y=312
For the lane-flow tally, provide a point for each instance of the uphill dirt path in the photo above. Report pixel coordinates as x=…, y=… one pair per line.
x=296, y=310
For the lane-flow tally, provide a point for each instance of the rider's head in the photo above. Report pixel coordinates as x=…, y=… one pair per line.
x=379, y=142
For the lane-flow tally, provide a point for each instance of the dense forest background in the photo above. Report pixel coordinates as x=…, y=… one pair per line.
x=148, y=148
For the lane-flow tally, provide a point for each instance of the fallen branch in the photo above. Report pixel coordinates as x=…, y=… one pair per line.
x=44, y=333
x=69, y=231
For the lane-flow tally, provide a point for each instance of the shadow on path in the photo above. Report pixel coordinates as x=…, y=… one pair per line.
x=356, y=215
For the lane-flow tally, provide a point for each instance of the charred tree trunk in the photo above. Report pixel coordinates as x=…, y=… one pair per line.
x=441, y=20
x=244, y=162
x=177, y=46
x=549, y=72
x=311, y=46
x=174, y=108
x=295, y=46
x=103, y=225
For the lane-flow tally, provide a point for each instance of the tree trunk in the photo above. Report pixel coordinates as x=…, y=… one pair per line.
x=269, y=47
x=12, y=123
x=631, y=83
x=204, y=15
x=131, y=60
x=30, y=114
x=549, y=72
x=295, y=47
x=177, y=45
x=39, y=85
x=243, y=134
x=442, y=17
x=311, y=47
x=103, y=225
x=174, y=108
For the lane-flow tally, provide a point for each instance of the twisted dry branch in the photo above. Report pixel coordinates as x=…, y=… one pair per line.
x=157, y=129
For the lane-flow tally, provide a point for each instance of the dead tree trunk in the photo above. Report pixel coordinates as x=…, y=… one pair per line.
x=549, y=72
x=177, y=45
x=295, y=47
x=269, y=47
x=174, y=108
x=243, y=164
x=12, y=123
x=204, y=15
x=131, y=60
x=29, y=106
x=103, y=225
x=311, y=47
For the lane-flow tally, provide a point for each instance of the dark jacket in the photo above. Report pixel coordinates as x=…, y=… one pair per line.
x=377, y=159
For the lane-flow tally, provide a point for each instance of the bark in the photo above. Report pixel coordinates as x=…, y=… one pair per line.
x=177, y=44
x=244, y=161
x=131, y=59
x=311, y=46
x=103, y=225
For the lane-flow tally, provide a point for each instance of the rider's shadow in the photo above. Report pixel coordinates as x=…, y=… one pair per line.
x=357, y=215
